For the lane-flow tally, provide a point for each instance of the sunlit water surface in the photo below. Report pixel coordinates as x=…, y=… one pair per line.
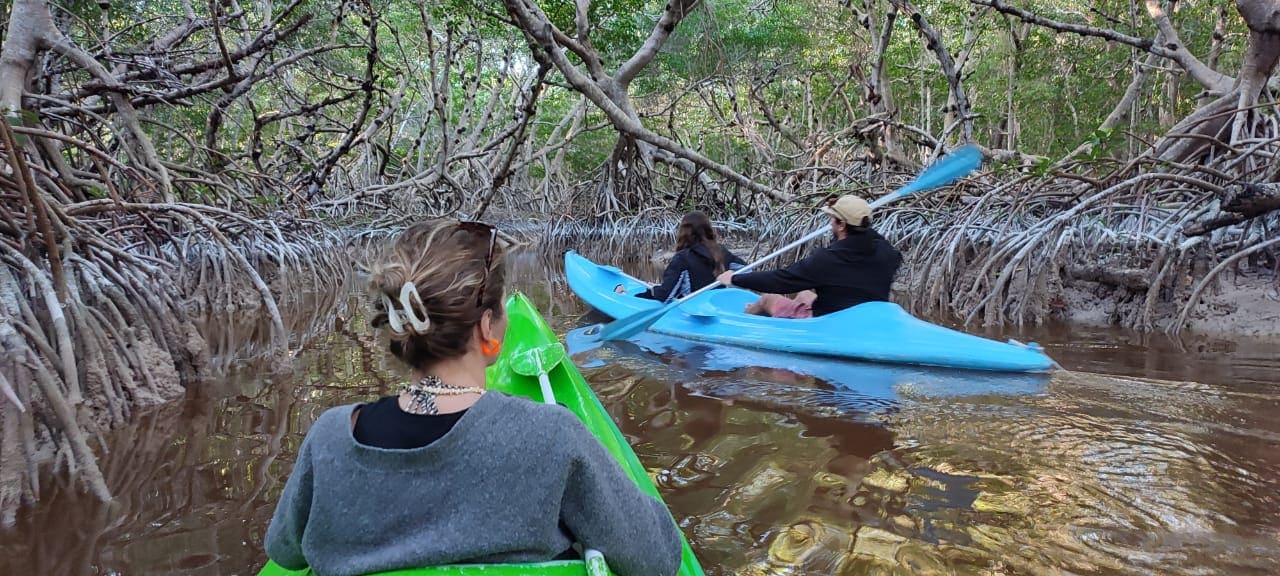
x=1169, y=465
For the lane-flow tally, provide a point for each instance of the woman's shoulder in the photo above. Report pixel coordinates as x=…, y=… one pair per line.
x=381, y=405
x=698, y=254
x=681, y=257
x=332, y=421
x=528, y=410
x=329, y=430
x=535, y=421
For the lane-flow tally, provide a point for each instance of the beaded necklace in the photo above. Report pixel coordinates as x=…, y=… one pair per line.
x=422, y=394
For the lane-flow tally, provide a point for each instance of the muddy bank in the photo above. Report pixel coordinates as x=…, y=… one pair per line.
x=1240, y=305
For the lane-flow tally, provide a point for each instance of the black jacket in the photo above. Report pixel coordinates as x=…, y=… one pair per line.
x=858, y=269
x=699, y=264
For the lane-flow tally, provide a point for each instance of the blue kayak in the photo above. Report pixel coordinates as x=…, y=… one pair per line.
x=873, y=331
x=877, y=385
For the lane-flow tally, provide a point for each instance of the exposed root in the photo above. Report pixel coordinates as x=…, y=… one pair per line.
x=1208, y=278
x=99, y=302
x=626, y=238
x=1149, y=238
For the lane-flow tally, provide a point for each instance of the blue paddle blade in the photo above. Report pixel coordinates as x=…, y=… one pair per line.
x=624, y=328
x=960, y=162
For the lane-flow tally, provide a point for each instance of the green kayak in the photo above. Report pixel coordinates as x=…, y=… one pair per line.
x=531, y=344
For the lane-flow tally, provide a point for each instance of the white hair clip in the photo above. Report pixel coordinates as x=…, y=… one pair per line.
x=392, y=316
x=420, y=325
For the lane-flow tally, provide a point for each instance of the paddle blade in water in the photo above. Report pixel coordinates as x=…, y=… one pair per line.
x=956, y=165
x=538, y=360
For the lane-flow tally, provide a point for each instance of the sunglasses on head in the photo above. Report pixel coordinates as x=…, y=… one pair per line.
x=492, y=232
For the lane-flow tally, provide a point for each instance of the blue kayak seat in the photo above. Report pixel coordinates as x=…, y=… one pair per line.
x=727, y=300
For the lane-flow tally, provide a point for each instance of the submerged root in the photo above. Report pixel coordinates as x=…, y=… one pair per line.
x=129, y=335
x=99, y=303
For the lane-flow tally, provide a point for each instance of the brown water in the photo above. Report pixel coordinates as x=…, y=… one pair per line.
x=1171, y=465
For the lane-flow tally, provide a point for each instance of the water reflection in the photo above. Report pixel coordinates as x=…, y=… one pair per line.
x=874, y=383
x=772, y=466
x=195, y=481
x=1088, y=479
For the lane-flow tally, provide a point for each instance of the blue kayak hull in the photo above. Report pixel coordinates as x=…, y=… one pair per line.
x=874, y=331
x=877, y=385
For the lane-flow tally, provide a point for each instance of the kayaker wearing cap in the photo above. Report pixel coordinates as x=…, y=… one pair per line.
x=698, y=259
x=447, y=472
x=858, y=267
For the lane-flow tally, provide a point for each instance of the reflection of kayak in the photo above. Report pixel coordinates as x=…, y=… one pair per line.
x=527, y=331
x=876, y=331
x=874, y=385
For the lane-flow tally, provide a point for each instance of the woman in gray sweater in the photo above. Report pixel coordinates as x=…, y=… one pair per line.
x=447, y=472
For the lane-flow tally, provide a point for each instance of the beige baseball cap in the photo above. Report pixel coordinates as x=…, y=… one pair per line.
x=849, y=208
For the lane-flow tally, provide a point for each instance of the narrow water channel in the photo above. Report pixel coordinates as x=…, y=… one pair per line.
x=1145, y=458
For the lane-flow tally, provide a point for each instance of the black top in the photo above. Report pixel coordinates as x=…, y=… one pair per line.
x=382, y=424
x=858, y=269
x=698, y=263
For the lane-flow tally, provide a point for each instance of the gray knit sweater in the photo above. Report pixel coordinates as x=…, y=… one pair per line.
x=495, y=488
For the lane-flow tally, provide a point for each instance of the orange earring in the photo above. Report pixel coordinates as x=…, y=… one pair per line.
x=491, y=347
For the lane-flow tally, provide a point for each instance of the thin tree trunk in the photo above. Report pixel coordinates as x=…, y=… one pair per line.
x=1259, y=62
x=22, y=44
x=878, y=90
x=1017, y=36
x=933, y=41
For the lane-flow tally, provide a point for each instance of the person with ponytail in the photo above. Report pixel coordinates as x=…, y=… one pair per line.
x=447, y=471
x=698, y=260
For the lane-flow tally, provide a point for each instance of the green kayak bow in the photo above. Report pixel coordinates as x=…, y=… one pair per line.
x=532, y=365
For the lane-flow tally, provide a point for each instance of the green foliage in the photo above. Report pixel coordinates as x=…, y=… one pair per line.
x=735, y=37
x=722, y=68
x=618, y=27
x=1097, y=141
x=1041, y=168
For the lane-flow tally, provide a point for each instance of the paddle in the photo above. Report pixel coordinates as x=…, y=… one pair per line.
x=961, y=162
x=537, y=362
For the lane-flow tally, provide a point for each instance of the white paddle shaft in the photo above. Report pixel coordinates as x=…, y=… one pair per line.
x=544, y=382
